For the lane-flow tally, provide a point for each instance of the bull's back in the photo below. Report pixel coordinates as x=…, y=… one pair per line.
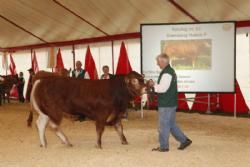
x=74, y=96
x=42, y=75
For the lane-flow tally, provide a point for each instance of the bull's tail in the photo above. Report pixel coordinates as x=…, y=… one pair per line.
x=30, y=119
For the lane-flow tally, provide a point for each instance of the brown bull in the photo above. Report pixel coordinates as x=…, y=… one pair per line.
x=45, y=74
x=188, y=50
x=104, y=101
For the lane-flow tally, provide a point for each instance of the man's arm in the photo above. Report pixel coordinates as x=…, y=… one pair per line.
x=164, y=83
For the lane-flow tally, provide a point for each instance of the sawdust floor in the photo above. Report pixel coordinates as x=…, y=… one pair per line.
x=217, y=141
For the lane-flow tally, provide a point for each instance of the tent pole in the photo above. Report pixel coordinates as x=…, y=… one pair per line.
x=31, y=51
x=112, y=47
x=99, y=64
x=218, y=101
x=6, y=64
x=249, y=60
x=235, y=103
x=74, y=56
x=208, y=104
x=142, y=114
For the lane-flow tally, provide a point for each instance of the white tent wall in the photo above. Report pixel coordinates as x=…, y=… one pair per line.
x=105, y=57
x=42, y=59
x=22, y=61
x=243, y=62
x=133, y=51
x=102, y=54
x=67, y=56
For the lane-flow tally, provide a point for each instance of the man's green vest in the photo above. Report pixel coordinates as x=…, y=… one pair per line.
x=81, y=74
x=168, y=98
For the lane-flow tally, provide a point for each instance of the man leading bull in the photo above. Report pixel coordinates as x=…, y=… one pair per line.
x=166, y=87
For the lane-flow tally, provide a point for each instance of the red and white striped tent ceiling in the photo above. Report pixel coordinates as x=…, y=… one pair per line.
x=35, y=22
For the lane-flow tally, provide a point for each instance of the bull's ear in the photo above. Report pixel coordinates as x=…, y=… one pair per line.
x=126, y=79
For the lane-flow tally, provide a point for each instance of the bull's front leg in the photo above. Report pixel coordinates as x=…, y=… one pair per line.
x=99, y=130
x=119, y=129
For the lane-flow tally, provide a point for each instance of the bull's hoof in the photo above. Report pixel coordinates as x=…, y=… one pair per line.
x=70, y=145
x=124, y=143
x=43, y=146
x=98, y=147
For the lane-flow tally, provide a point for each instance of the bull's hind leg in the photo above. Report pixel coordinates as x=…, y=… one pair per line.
x=119, y=129
x=41, y=123
x=99, y=130
x=60, y=134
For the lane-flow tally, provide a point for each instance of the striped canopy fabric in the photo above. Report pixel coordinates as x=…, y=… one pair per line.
x=28, y=22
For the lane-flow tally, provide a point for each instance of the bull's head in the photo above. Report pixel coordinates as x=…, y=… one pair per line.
x=135, y=83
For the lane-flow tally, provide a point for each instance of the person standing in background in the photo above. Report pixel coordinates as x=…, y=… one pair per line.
x=166, y=87
x=29, y=87
x=79, y=72
x=106, y=74
x=20, y=87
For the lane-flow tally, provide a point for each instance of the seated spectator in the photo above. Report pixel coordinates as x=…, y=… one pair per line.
x=79, y=72
x=106, y=74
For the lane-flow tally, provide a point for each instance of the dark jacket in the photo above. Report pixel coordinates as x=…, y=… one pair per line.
x=168, y=98
x=110, y=76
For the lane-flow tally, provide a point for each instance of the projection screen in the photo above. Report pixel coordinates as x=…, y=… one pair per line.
x=202, y=54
